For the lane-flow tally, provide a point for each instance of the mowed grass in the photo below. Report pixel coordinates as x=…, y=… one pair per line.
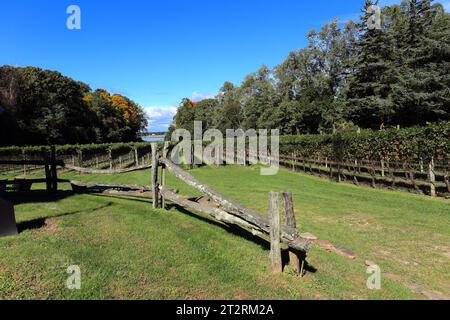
x=127, y=250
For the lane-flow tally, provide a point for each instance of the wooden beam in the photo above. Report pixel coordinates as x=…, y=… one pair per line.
x=212, y=211
x=275, y=248
x=163, y=173
x=155, y=175
x=294, y=260
x=108, y=171
x=84, y=186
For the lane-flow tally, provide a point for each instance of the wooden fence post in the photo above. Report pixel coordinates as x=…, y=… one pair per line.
x=293, y=161
x=155, y=175
x=54, y=171
x=110, y=159
x=275, y=248
x=163, y=173
x=136, y=157
x=294, y=260
x=432, y=175
x=48, y=174
x=80, y=158
x=24, y=157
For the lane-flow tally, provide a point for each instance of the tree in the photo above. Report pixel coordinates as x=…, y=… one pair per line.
x=425, y=45
x=44, y=107
x=370, y=96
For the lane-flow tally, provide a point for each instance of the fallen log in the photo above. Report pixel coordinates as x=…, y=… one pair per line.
x=228, y=218
x=289, y=235
x=106, y=171
x=214, y=212
x=78, y=186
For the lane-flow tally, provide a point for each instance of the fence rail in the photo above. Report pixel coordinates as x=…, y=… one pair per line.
x=425, y=178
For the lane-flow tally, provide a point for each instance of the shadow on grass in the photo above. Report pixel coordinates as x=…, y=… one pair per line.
x=242, y=233
x=36, y=196
x=41, y=222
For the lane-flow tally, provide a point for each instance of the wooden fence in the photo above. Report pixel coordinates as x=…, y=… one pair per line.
x=48, y=162
x=425, y=178
x=222, y=209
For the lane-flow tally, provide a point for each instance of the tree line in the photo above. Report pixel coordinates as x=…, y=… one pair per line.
x=349, y=75
x=40, y=107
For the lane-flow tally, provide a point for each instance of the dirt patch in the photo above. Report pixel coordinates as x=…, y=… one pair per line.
x=241, y=295
x=435, y=295
x=327, y=245
x=200, y=294
x=187, y=226
x=51, y=226
x=392, y=277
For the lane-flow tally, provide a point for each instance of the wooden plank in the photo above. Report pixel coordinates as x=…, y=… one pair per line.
x=275, y=247
x=154, y=180
x=294, y=260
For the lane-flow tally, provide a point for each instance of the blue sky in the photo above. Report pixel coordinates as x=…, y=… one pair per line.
x=158, y=51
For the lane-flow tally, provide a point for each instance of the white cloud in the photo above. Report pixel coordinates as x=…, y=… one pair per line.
x=199, y=96
x=160, y=117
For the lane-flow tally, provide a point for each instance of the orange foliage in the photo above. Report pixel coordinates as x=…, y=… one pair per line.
x=124, y=105
x=88, y=98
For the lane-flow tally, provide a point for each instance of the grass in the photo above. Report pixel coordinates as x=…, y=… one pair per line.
x=127, y=250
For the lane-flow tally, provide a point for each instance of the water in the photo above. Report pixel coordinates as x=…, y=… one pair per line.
x=155, y=139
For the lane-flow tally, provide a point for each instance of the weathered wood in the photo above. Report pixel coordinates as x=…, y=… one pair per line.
x=107, y=171
x=288, y=204
x=372, y=174
x=163, y=173
x=432, y=176
x=275, y=248
x=288, y=235
x=154, y=180
x=100, y=187
x=212, y=211
x=136, y=157
x=110, y=159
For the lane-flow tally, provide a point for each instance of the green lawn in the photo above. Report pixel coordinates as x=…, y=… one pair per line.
x=128, y=250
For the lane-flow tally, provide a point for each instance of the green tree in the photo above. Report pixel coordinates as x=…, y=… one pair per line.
x=370, y=97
